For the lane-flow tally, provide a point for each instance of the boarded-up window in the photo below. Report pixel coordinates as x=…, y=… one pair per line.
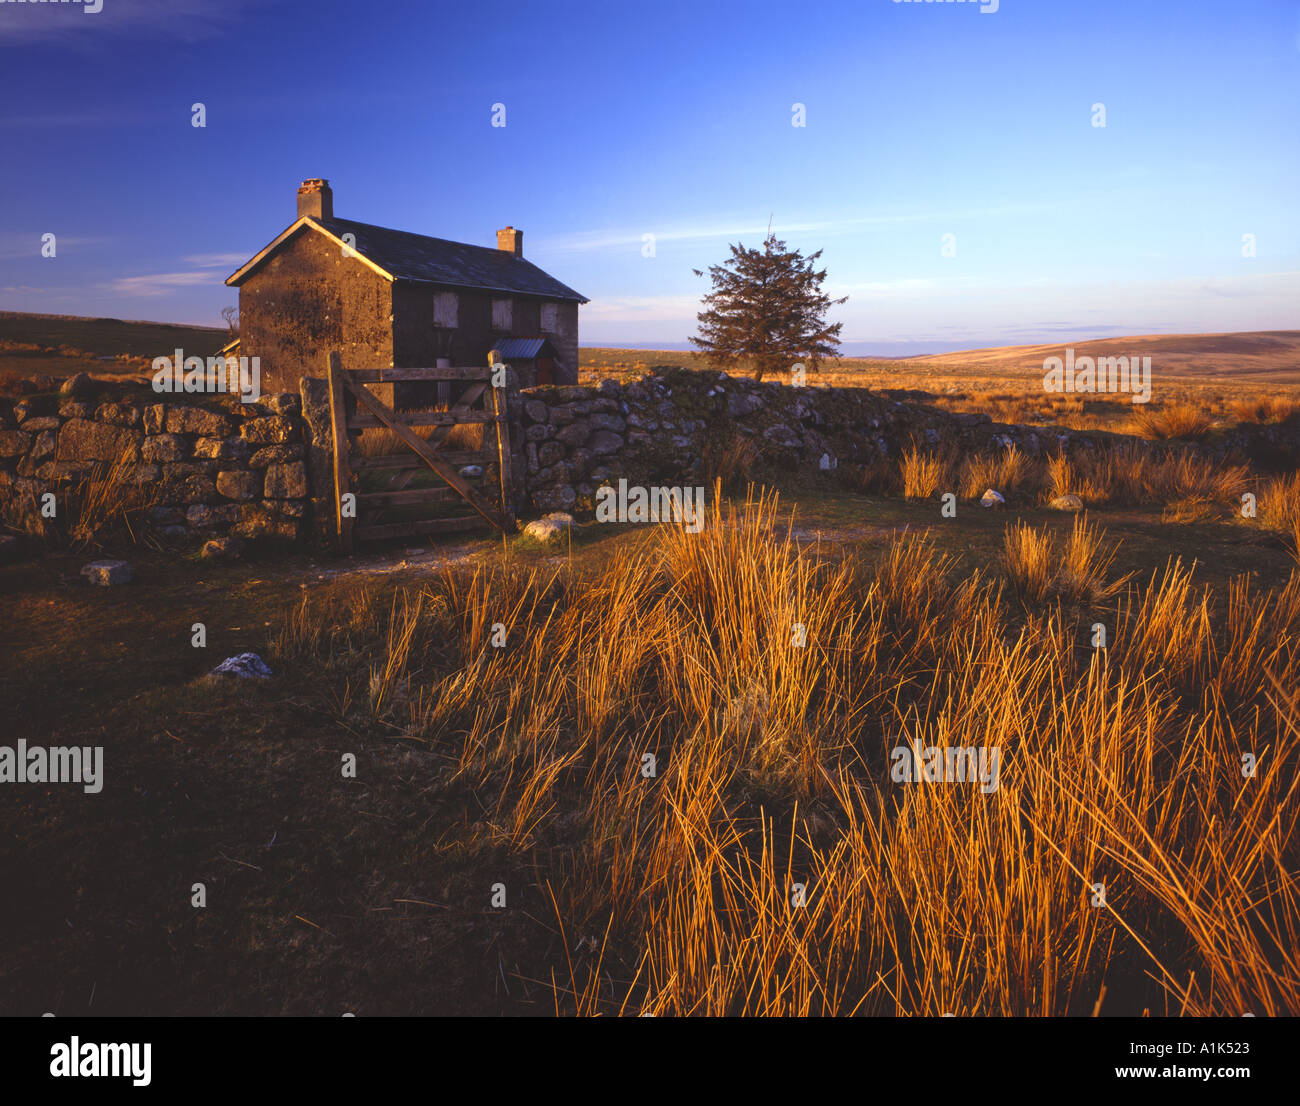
x=550, y=317
x=445, y=305
x=502, y=314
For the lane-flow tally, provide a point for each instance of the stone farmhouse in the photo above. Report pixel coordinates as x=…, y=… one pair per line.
x=386, y=297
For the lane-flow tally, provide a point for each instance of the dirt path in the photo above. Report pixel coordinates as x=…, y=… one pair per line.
x=391, y=561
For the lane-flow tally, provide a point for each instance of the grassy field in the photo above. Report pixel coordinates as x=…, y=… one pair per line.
x=60, y=345
x=1229, y=378
x=767, y=858
x=672, y=893
x=1202, y=381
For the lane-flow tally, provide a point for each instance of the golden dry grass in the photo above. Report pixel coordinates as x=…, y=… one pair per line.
x=1187, y=486
x=1179, y=420
x=379, y=441
x=1065, y=476
x=923, y=473
x=1077, y=571
x=1217, y=374
x=1279, y=502
x=729, y=459
x=1006, y=471
x=1264, y=409
x=1084, y=573
x=1028, y=561
x=110, y=503
x=771, y=866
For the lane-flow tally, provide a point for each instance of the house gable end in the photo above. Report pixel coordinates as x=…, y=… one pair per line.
x=275, y=245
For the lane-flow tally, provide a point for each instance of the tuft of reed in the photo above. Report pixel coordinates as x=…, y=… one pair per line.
x=1279, y=503
x=111, y=503
x=1264, y=409
x=923, y=474
x=1008, y=472
x=1179, y=420
x=1028, y=561
x=729, y=460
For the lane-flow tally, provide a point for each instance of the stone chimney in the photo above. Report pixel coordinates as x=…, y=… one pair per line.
x=316, y=198
x=511, y=240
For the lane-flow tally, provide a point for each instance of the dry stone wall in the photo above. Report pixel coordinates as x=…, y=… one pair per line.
x=659, y=430
x=210, y=464
x=264, y=471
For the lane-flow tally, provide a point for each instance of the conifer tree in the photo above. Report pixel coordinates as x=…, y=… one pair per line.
x=767, y=311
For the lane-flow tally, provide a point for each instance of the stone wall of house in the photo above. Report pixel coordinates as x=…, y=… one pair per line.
x=308, y=299
x=209, y=464
x=417, y=343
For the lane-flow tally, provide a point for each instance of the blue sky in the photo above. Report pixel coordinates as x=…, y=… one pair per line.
x=674, y=119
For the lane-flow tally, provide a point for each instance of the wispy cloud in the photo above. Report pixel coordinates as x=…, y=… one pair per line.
x=160, y=284
x=966, y=312
x=904, y=286
x=641, y=309
x=619, y=238
x=219, y=260
x=208, y=271
x=19, y=245
x=28, y=290
x=1244, y=301
x=1066, y=328
x=79, y=25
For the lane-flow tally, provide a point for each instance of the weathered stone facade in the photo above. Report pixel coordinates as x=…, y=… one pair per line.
x=308, y=299
x=417, y=343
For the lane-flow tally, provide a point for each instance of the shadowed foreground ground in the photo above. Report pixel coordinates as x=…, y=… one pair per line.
x=522, y=767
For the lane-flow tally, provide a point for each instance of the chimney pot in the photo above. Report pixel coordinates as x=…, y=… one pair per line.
x=511, y=240
x=316, y=198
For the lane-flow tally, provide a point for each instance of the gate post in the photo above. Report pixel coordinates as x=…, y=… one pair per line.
x=342, y=461
x=501, y=408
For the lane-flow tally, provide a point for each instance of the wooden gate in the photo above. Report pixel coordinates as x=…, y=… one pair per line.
x=354, y=408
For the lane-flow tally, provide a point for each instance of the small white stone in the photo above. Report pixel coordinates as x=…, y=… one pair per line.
x=993, y=498
x=107, y=574
x=246, y=666
x=550, y=529
x=544, y=531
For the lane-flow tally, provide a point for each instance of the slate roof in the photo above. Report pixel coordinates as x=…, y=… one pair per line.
x=521, y=349
x=407, y=256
